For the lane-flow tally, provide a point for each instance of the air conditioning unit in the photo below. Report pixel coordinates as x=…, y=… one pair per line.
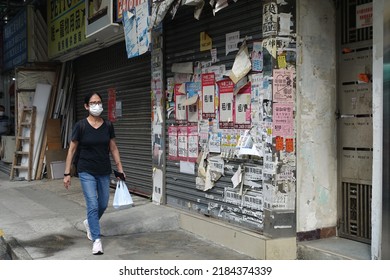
x=7, y=148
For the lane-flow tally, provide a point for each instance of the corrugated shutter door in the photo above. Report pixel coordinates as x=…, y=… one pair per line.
x=182, y=45
x=110, y=68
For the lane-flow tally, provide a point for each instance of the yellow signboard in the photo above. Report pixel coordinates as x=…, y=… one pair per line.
x=66, y=26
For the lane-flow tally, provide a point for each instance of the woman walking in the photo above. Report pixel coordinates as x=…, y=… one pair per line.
x=92, y=141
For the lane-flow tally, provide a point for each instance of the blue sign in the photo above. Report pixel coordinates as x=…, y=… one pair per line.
x=15, y=41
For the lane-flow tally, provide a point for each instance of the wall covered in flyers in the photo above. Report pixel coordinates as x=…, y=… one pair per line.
x=241, y=132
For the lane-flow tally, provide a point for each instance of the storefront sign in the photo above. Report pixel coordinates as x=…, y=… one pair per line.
x=15, y=41
x=66, y=26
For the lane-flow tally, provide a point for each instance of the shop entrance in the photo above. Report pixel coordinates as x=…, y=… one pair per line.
x=355, y=145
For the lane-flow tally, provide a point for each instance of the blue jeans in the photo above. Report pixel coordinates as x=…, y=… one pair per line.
x=96, y=189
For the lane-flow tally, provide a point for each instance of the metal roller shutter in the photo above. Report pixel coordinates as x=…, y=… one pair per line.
x=182, y=45
x=110, y=68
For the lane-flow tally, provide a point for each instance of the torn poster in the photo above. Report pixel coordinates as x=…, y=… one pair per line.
x=216, y=164
x=159, y=10
x=278, y=197
x=226, y=99
x=180, y=109
x=193, y=91
x=136, y=30
x=219, y=5
x=198, y=10
x=237, y=177
x=256, y=150
x=269, y=45
x=242, y=64
x=157, y=146
x=246, y=146
x=200, y=183
x=206, y=42
x=157, y=186
x=170, y=89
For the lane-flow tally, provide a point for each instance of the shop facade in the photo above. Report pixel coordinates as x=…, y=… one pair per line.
x=262, y=121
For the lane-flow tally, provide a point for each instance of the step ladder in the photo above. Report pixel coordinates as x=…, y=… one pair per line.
x=24, y=145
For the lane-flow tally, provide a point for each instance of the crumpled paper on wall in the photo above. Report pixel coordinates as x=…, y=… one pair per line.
x=159, y=10
x=242, y=64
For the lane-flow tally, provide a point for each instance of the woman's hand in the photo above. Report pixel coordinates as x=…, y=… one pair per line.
x=67, y=182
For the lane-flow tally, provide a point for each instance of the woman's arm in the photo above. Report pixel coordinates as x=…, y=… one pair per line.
x=68, y=163
x=115, y=155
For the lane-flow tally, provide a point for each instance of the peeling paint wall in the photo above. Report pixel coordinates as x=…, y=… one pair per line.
x=315, y=121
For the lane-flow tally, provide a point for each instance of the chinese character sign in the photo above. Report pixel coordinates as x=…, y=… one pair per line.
x=192, y=132
x=172, y=144
x=66, y=26
x=282, y=85
x=180, y=108
x=242, y=108
x=192, y=90
x=270, y=19
x=226, y=97
x=182, y=142
x=208, y=95
x=283, y=120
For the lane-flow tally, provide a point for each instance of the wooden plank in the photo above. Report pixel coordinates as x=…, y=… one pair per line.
x=53, y=134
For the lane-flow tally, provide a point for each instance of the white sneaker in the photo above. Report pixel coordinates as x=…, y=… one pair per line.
x=97, y=248
x=87, y=229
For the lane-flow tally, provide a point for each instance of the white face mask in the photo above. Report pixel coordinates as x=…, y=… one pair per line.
x=1, y=113
x=96, y=109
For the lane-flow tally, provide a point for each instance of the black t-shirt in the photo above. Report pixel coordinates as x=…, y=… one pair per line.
x=94, y=149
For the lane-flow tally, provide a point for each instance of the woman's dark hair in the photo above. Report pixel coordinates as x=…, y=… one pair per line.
x=89, y=95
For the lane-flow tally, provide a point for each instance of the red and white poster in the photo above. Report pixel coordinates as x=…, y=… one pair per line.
x=226, y=103
x=180, y=107
x=182, y=142
x=208, y=95
x=283, y=120
x=193, y=143
x=364, y=15
x=242, y=108
x=111, y=105
x=172, y=144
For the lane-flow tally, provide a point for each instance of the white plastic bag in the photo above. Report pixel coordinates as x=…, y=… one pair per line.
x=122, y=197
